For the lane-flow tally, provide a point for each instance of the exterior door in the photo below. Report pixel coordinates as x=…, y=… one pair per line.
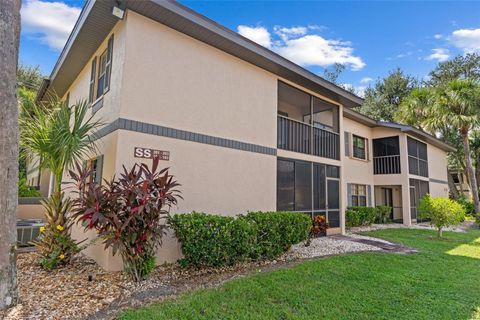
x=388, y=199
x=333, y=202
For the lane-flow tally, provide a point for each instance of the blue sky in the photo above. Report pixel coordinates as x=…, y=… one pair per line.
x=368, y=37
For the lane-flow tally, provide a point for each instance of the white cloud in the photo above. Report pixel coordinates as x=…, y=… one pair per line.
x=299, y=45
x=366, y=80
x=259, y=35
x=287, y=33
x=437, y=36
x=466, y=39
x=400, y=56
x=49, y=22
x=439, y=54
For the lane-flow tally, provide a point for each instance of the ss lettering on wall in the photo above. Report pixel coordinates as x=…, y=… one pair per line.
x=147, y=153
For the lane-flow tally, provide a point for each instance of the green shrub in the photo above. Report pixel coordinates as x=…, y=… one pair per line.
x=383, y=214
x=360, y=216
x=277, y=232
x=213, y=240
x=467, y=205
x=24, y=190
x=442, y=212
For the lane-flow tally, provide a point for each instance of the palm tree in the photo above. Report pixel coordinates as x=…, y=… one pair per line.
x=455, y=106
x=9, y=40
x=58, y=135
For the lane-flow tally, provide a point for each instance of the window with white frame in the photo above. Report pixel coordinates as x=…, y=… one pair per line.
x=358, y=195
x=101, y=73
x=359, y=147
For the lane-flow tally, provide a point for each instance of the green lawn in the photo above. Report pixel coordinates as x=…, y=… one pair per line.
x=442, y=282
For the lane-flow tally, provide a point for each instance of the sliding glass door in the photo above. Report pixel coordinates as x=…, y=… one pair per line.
x=307, y=187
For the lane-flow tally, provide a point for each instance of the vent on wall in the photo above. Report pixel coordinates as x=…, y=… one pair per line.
x=28, y=230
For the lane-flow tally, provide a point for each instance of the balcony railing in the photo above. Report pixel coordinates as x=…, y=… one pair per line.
x=293, y=135
x=386, y=164
x=325, y=143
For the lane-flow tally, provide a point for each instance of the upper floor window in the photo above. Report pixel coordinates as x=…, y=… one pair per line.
x=386, y=155
x=359, y=147
x=100, y=79
x=298, y=105
x=417, y=157
x=307, y=124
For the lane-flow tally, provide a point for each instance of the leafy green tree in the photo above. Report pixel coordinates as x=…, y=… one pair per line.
x=461, y=67
x=382, y=100
x=455, y=106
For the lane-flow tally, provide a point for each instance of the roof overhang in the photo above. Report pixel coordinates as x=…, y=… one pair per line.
x=417, y=133
x=96, y=21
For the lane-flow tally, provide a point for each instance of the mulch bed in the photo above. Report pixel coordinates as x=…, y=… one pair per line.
x=83, y=290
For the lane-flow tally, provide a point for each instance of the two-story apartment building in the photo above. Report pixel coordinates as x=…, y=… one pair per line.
x=240, y=127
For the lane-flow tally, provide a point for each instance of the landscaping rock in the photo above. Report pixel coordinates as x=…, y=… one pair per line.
x=327, y=246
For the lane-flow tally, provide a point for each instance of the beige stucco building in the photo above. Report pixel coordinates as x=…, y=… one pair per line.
x=244, y=128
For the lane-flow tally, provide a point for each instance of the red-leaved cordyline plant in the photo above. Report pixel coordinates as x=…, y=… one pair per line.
x=319, y=227
x=129, y=213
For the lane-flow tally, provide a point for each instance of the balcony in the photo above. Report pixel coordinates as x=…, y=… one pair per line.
x=386, y=155
x=293, y=135
x=386, y=164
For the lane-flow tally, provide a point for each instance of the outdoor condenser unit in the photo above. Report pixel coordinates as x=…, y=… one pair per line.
x=28, y=230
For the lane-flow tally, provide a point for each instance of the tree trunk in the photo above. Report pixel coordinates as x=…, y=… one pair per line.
x=469, y=168
x=440, y=234
x=477, y=168
x=9, y=40
x=453, y=189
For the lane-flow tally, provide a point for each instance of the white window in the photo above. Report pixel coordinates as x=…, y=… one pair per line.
x=359, y=195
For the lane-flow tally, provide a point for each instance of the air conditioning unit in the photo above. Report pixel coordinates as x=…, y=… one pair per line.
x=28, y=230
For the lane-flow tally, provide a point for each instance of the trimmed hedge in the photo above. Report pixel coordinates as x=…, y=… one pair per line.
x=213, y=240
x=277, y=232
x=360, y=216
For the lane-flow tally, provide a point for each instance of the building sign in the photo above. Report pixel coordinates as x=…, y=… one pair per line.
x=146, y=153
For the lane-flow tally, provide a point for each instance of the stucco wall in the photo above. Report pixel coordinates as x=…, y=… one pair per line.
x=358, y=171
x=437, y=171
x=213, y=180
x=79, y=89
x=30, y=211
x=179, y=82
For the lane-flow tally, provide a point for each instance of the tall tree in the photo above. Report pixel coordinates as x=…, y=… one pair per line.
x=9, y=42
x=332, y=74
x=461, y=67
x=455, y=106
x=382, y=100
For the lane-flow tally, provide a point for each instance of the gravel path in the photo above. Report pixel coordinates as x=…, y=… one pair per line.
x=327, y=246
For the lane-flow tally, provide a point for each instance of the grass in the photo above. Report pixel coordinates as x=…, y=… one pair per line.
x=442, y=281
